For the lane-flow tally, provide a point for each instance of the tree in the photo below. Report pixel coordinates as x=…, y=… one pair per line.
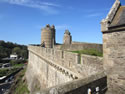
x=2, y=43
x=16, y=50
x=2, y=52
x=24, y=54
x=7, y=48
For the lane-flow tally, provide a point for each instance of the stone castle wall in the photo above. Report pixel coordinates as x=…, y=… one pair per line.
x=45, y=70
x=80, y=46
x=97, y=83
x=114, y=60
x=41, y=74
x=66, y=59
x=93, y=64
x=113, y=29
x=51, y=67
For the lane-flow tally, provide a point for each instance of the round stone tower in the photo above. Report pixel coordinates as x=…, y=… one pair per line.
x=67, y=37
x=47, y=39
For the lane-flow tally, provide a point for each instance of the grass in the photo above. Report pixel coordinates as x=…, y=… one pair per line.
x=92, y=52
x=19, y=86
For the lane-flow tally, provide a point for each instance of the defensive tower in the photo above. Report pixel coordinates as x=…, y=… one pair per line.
x=48, y=36
x=67, y=37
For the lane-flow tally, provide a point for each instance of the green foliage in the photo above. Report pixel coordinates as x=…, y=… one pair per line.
x=89, y=52
x=5, y=72
x=18, y=65
x=17, y=62
x=7, y=48
x=24, y=54
x=16, y=50
x=19, y=86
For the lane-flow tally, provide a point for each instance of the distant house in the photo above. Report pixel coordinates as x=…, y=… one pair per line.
x=13, y=56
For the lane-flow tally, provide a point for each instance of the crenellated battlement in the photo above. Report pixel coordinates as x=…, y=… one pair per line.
x=54, y=67
x=58, y=57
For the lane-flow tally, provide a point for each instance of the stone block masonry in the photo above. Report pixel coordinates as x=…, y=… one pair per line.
x=114, y=48
x=66, y=59
x=91, y=65
x=97, y=84
x=55, y=70
x=43, y=72
x=114, y=60
x=79, y=46
x=49, y=67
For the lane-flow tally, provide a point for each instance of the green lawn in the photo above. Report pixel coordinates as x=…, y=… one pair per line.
x=92, y=52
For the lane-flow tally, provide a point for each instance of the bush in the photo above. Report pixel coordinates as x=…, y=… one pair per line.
x=5, y=72
x=14, y=62
x=19, y=86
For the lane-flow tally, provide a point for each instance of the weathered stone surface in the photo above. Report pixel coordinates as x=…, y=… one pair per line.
x=91, y=65
x=55, y=71
x=67, y=39
x=114, y=60
x=105, y=23
x=48, y=36
x=49, y=67
x=80, y=86
x=119, y=19
x=44, y=70
x=114, y=48
x=67, y=59
x=79, y=46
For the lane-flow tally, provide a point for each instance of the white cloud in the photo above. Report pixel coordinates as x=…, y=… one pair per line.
x=47, y=7
x=57, y=27
x=50, y=4
x=15, y=1
x=94, y=15
x=62, y=27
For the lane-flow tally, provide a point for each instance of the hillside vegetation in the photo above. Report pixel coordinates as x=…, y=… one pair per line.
x=15, y=65
x=7, y=48
x=19, y=86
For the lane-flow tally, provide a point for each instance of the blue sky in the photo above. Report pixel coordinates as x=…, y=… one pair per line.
x=21, y=20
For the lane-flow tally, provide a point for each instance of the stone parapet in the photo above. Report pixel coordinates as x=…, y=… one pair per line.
x=72, y=61
x=96, y=83
x=79, y=46
x=63, y=58
x=58, y=67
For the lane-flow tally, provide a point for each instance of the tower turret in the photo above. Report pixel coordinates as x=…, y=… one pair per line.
x=47, y=37
x=67, y=37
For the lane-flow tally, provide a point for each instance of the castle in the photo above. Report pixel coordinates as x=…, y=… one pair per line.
x=54, y=69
